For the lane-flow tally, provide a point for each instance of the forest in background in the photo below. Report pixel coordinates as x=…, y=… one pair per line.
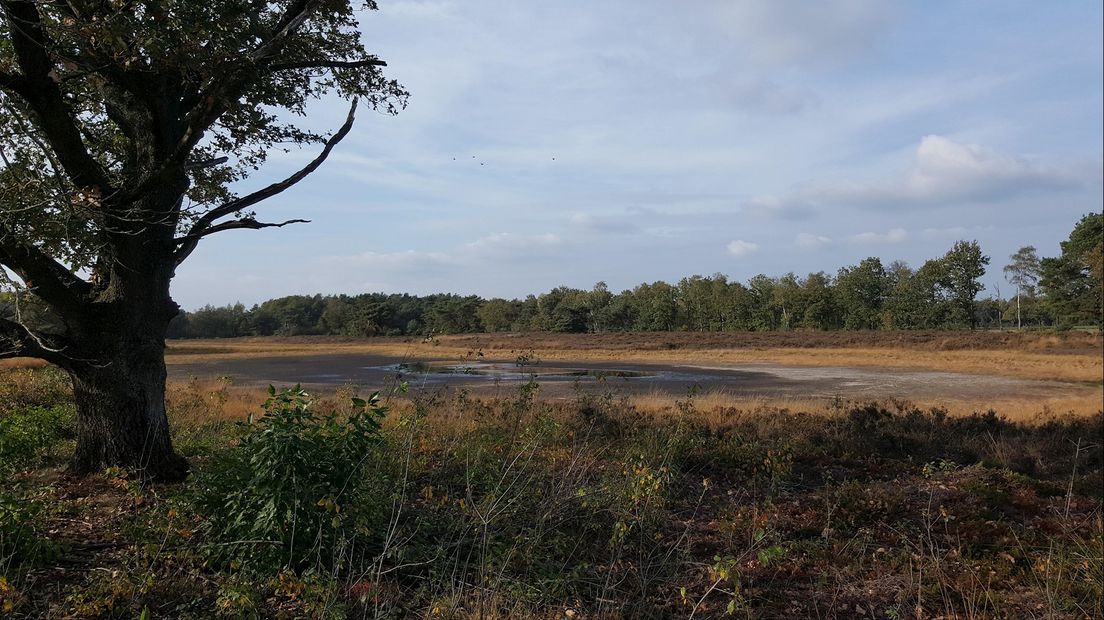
x=1063, y=292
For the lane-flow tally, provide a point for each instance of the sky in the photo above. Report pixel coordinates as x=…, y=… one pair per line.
x=566, y=143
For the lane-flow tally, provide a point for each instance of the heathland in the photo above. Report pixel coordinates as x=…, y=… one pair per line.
x=965, y=483
x=592, y=503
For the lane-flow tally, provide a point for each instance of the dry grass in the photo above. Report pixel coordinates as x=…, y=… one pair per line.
x=712, y=406
x=20, y=363
x=1068, y=343
x=205, y=403
x=1016, y=364
x=202, y=402
x=607, y=507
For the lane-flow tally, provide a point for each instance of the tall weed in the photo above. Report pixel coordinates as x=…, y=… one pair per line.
x=289, y=494
x=30, y=433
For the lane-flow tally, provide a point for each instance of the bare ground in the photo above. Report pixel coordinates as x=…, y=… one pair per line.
x=486, y=374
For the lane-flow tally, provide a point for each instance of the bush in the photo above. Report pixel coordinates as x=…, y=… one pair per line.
x=21, y=541
x=290, y=492
x=28, y=433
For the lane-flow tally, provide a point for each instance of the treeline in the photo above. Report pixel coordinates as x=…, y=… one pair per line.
x=940, y=294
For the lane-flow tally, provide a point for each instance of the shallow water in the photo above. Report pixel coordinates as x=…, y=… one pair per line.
x=563, y=378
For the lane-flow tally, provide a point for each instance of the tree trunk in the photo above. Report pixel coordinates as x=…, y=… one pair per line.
x=121, y=419
x=1019, y=325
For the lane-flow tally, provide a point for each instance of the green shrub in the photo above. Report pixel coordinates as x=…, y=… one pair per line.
x=290, y=493
x=29, y=433
x=760, y=462
x=21, y=542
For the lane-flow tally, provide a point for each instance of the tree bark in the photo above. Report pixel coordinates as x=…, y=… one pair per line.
x=1019, y=325
x=121, y=419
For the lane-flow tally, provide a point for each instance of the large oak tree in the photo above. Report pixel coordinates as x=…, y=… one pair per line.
x=125, y=125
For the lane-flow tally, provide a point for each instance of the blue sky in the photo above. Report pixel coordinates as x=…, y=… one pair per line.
x=565, y=143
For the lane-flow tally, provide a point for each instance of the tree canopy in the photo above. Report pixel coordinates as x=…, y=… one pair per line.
x=126, y=124
x=864, y=296
x=106, y=103
x=1072, y=282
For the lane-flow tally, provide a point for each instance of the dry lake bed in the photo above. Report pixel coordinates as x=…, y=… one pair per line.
x=560, y=378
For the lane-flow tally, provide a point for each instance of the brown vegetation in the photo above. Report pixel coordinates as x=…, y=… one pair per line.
x=603, y=507
x=1065, y=343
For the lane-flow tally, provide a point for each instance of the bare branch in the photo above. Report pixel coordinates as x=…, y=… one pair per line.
x=248, y=223
x=189, y=241
x=276, y=188
x=207, y=163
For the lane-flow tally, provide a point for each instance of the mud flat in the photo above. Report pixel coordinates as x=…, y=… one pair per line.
x=562, y=378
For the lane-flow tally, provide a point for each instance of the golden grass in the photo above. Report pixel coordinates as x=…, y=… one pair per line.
x=711, y=405
x=202, y=402
x=198, y=402
x=1020, y=365
x=20, y=363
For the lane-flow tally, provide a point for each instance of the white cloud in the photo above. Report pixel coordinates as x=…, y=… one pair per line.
x=604, y=223
x=811, y=241
x=944, y=171
x=894, y=235
x=789, y=31
x=741, y=248
x=948, y=232
x=429, y=271
x=946, y=168
x=493, y=247
x=505, y=243
x=794, y=207
x=407, y=260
